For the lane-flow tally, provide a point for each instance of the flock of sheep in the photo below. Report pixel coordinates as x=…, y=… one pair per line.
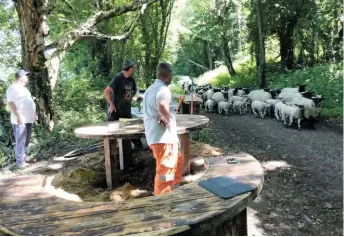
x=288, y=105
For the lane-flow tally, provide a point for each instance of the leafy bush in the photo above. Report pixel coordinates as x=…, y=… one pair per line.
x=176, y=89
x=222, y=79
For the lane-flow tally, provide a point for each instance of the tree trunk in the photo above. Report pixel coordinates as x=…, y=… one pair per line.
x=34, y=28
x=225, y=41
x=208, y=55
x=228, y=58
x=44, y=60
x=286, y=35
x=262, y=80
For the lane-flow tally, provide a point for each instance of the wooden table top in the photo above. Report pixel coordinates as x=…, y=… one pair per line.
x=185, y=123
x=28, y=206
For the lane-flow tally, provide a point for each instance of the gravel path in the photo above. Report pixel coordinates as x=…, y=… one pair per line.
x=303, y=189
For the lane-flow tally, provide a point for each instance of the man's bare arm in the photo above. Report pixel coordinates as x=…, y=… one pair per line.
x=14, y=110
x=107, y=94
x=164, y=111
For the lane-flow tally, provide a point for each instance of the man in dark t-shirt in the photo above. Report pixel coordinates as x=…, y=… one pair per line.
x=119, y=94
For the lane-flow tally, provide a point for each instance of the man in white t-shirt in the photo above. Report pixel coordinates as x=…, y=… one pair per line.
x=23, y=115
x=161, y=131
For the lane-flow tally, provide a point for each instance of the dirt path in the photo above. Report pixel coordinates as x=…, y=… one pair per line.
x=303, y=189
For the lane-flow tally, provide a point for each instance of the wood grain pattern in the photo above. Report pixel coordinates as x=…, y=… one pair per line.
x=185, y=150
x=188, y=209
x=185, y=123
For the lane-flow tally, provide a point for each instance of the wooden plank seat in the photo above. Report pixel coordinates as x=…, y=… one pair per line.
x=27, y=207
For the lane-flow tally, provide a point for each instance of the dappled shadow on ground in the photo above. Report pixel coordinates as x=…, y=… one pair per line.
x=302, y=192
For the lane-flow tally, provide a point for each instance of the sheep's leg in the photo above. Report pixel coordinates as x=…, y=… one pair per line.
x=219, y=110
x=291, y=119
x=299, y=123
x=261, y=114
x=254, y=111
x=276, y=114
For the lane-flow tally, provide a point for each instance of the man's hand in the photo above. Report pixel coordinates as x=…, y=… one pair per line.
x=112, y=108
x=19, y=120
x=36, y=118
x=164, y=122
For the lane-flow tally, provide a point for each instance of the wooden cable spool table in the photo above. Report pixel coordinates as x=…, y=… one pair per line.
x=27, y=207
x=135, y=129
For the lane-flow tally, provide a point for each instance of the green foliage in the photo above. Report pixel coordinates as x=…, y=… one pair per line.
x=78, y=101
x=206, y=136
x=176, y=88
x=222, y=79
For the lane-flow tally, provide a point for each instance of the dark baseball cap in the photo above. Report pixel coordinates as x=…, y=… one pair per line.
x=128, y=64
x=21, y=73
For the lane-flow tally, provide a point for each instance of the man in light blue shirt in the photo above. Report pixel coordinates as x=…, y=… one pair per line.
x=161, y=131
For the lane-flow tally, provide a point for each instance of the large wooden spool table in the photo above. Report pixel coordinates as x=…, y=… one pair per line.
x=185, y=124
x=28, y=207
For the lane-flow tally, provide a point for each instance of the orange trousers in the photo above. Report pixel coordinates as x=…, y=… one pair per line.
x=169, y=167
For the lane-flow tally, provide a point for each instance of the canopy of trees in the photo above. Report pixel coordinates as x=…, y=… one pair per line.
x=67, y=39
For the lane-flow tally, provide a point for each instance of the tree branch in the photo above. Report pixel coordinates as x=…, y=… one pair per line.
x=85, y=29
x=198, y=64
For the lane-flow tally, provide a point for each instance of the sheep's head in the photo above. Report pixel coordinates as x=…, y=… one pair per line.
x=302, y=88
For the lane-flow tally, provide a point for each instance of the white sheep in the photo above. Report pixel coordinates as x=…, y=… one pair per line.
x=224, y=106
x=241, y=93
x=260, y=107
x=209, y=94
x=278, y=110
x=291, y=113
x=240, y=107
x=218, y=97
x=230, y=93
x=272, y=103
x=259, y=95
x=289, y=96
x=310, y=110
x=209, y=105
x=299, y=88
x=237, y=98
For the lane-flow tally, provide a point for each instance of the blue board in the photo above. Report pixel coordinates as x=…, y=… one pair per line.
x=225, y=187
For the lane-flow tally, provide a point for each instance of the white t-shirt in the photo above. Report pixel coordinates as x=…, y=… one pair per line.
x=155, y=132
x=21, y=97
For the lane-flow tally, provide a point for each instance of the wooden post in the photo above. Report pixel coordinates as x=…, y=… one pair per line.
x=110, y=153
x=127, y=153
x=120, y=148
x=242, y=223
x=185, y=150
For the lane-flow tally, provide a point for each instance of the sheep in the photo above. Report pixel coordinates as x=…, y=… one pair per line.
x=237, y=98
x=230, y=93
x=209, y=94
x=272, y=103
x=240, y=107
x=298, y=88
x=224, y=106
x=259, y=95
x=278, y=109
x=218, y=97
x=291, y=113
x=260, y=107
x=239, y=91
x=310, y=110
x=209, y=105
